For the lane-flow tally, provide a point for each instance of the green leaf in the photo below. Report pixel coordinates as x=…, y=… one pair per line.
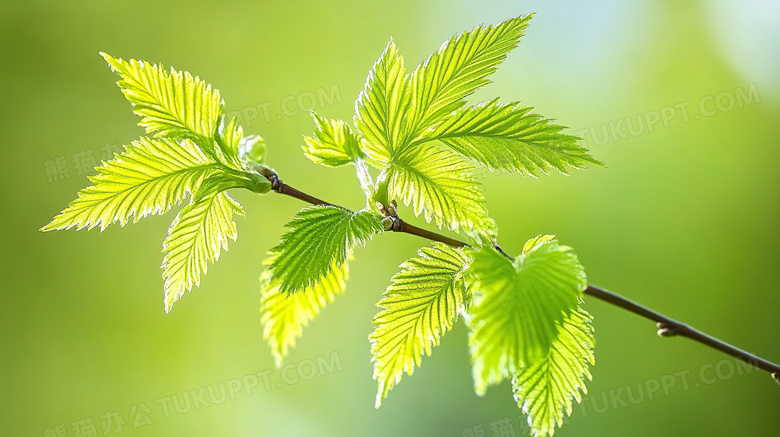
x=418, y=308
x=251, y=150
x=319, y=237
x=512, y=138
x=150, y=177
x=196, y=238
x=244, y=154
x=517, y=306
x=230, y=137
x=458, y=68
x=335, y=144
x=174, y=104
x=381, y=106
x=285, y=315
x=440, y=184
x=546, y=388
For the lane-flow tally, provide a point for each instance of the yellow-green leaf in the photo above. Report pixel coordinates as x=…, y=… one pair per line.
x=457, y=69
x=439, y=184
x=418, y=308
x=546, y=388
x=195, y=239
x=284, y=315
x=320, y=237
x=381, y=106
x=334, y=145
x=517, y=306
x=172, y=104
x=511, y=138
x=150, y=177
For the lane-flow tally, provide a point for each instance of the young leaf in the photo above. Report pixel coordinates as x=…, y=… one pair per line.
x=381, y=106
x=148, y=178
x=517, y=306
x=171, y=104
x=366, y=182
x=335, y=144
x=418, y=308
x=196, y=238
x=545, y=389
x=285, y=315
x=243, y=154
x=440, y=184
x=230, y=137
x=319, y=237
x=251, y=149
x=510, y=137
x=458, y=68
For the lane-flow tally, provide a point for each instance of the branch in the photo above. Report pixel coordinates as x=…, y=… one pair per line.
x=282, y=188
x=666, y=327
x=424, y=233
x=670, y=328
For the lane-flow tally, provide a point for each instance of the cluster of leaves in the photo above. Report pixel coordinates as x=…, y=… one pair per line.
x=413, y=141
x=524, y=316
x=192, y=151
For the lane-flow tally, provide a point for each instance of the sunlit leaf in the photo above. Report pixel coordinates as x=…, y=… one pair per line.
x=319, y=238
x=439, y=184
x=512, y=138
x=172, y=104
x=381, y=106
x=284, y=315
x=150, y=177
x=195, y=239
x=418, y=308
x=546, y=388
x=334, y=145
x=458, y=68
x=518, y=306
x=229, y=137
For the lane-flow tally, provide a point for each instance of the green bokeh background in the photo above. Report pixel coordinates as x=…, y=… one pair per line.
x=684, y=218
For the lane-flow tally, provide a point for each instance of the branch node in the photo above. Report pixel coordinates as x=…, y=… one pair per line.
x=776, y=377
x=397, y=224
x=667, y=330
x=276, y=183
x=391, y=223
x=391, y=220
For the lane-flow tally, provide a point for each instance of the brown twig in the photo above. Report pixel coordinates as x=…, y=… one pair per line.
x=666, y=327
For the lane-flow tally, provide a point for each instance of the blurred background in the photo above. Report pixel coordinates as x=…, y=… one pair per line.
x=680, y=99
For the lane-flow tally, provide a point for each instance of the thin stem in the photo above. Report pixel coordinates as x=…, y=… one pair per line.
x=292, y=192
x=670, y=328
x=424, y=233
x=666, y=327
x=282, y=188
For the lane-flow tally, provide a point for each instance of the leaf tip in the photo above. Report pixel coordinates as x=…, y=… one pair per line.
x=48, y=227
x=111, y=61
x=170, y=298
x=381, y=392
x=597, y=163
x=278, y=354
